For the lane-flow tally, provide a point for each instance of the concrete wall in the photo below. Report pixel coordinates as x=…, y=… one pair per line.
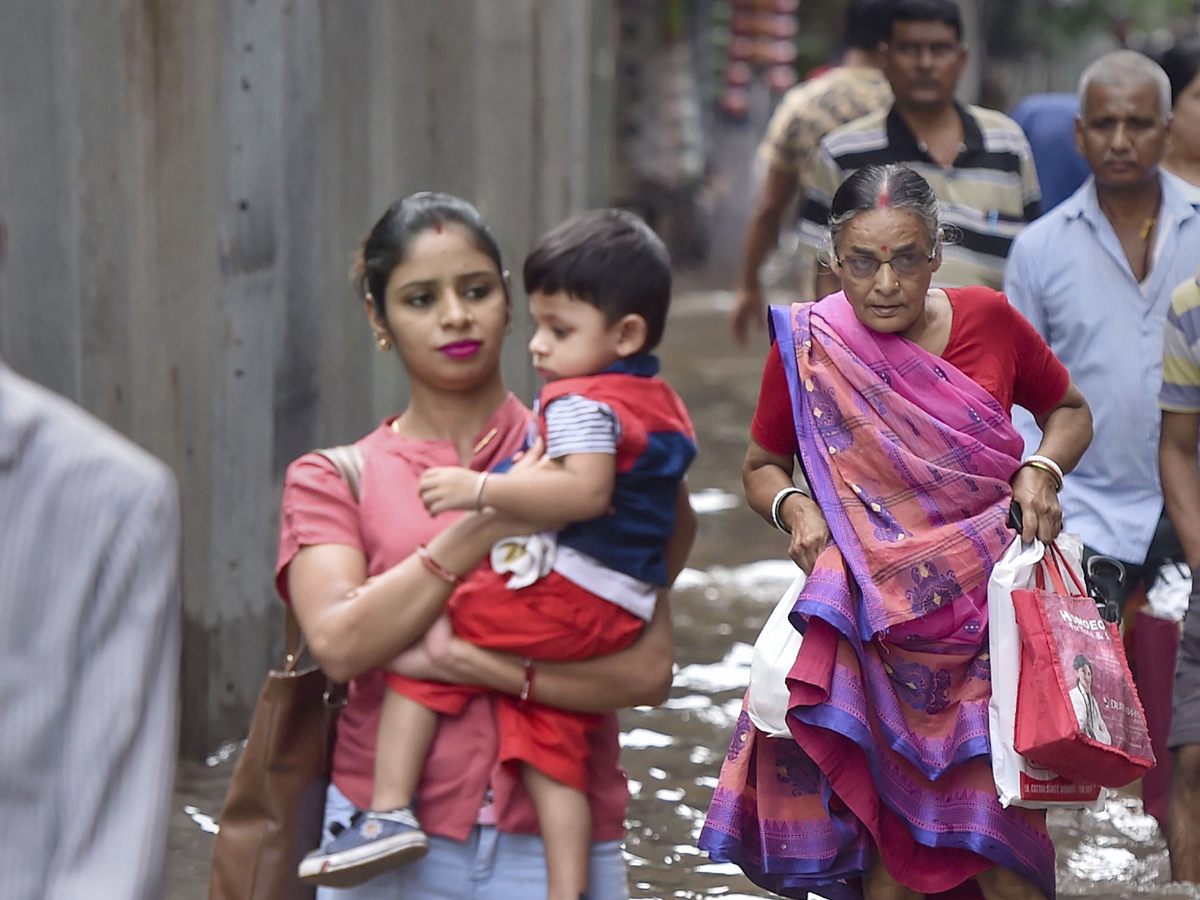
x=183, y=184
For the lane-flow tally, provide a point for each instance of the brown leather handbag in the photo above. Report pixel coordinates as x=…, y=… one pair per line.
x=275, y=804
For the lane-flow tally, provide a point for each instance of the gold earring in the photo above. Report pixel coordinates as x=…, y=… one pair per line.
x=383, y=343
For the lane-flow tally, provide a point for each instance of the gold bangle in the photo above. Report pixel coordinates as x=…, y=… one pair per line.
x=1038, y=464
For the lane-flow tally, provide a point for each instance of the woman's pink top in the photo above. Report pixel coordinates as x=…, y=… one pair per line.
x=387, y=524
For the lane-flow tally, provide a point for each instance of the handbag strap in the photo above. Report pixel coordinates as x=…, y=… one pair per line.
x=293, y=640
x=348, y=460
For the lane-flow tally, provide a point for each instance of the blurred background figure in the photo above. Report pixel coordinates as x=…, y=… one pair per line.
x=1181, y=62
x=89, y=653
x=806, y=114
x=1122, y=29
x=1048, y=121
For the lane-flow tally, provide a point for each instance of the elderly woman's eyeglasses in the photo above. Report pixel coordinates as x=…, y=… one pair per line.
x=905, y=265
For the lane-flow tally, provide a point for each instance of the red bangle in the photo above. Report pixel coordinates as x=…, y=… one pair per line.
x=436, y=567
x=527, y=687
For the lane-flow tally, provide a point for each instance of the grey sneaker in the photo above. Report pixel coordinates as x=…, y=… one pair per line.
x=374, y=843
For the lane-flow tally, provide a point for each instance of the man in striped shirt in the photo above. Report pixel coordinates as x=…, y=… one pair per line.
x=977, y=161
x=89, y=653
x=1179, y=400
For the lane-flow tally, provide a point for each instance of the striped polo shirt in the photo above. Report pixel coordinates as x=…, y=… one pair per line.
x=987, y=195
x=1181, y=351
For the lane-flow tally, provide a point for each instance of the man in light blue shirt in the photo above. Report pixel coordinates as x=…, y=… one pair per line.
x=1095, y=276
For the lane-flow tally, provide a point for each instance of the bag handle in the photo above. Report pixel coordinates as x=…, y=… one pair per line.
x=1055, y=563
x=348, y=460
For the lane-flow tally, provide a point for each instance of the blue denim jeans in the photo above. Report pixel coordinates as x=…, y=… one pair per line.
x=488, y=865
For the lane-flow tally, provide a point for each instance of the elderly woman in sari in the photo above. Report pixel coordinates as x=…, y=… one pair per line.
x=896, y=399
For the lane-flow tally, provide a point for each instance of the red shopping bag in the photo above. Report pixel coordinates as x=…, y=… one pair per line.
x=1018, y=781
x=1077, y=710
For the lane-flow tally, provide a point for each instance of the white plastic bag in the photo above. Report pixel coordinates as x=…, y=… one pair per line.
x=1018, y=782
x=1168, y=596
x=775, y=650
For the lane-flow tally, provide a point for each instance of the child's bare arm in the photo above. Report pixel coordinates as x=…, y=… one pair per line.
x=572, y=488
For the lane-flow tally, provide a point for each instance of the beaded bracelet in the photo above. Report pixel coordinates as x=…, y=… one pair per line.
x=1047, y=465
x=527, y=687
x=778, y=502
x=436, y=567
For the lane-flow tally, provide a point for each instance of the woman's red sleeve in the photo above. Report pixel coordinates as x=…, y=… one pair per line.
x=773, y=426
x=1042, y=379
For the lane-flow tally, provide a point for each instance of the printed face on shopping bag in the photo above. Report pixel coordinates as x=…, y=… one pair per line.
x=1083, y=677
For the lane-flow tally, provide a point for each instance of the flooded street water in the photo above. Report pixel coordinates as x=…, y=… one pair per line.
x=673, y=753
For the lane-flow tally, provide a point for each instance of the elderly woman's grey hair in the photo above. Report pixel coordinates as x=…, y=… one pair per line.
x=877, y=187
x=1125, y=67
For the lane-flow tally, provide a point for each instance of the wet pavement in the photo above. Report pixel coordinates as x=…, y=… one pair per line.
x=737, y=571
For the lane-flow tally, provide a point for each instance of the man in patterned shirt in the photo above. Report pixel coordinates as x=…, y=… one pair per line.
x=804, y=115
x=1179, y=401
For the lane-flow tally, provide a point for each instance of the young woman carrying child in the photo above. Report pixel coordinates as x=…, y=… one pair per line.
x=617, y=443
x=435, y=293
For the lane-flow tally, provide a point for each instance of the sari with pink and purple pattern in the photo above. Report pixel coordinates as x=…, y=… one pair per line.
x=909, y=460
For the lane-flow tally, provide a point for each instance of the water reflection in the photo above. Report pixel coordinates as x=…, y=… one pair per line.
x=718, y=611
x=207, y=823
x=714, y=500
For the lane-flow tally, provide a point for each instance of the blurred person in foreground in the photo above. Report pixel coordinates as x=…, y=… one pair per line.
x=977, y=160
x=806, y=114
x=896, y=397
x=1182, y=155
x=1094, y=276
x=89, y=653
x=1179, y=466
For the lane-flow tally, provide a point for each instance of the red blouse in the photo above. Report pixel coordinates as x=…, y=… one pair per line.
x=387, y=524
x=990, y=342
